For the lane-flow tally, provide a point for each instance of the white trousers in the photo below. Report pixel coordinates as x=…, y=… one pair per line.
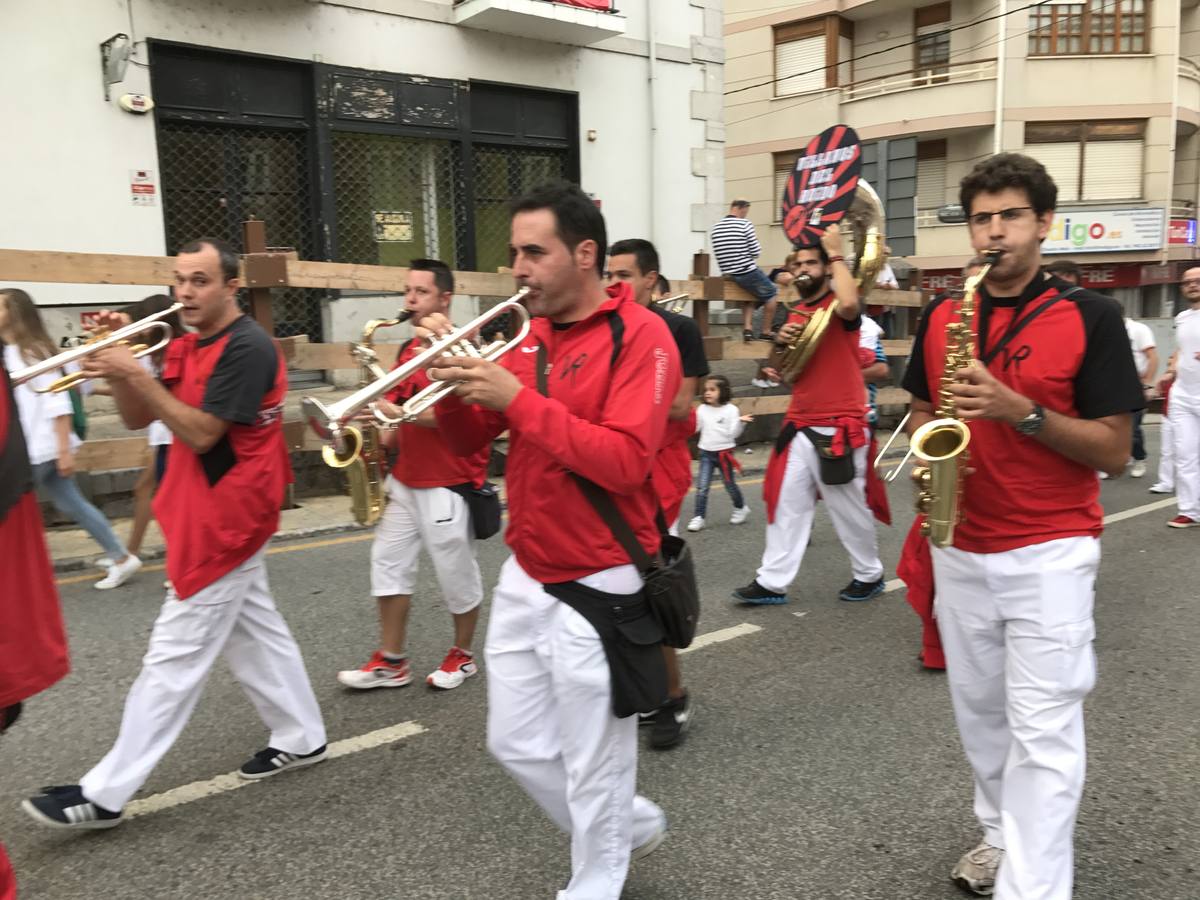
x=1185, y=431
x=787, y=536
x=1166, y=454
x=1017, y=629
x=551, y=725
x=438, y=519
x=234, y=614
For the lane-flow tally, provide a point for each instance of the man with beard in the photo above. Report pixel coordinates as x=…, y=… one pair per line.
x=828, y=407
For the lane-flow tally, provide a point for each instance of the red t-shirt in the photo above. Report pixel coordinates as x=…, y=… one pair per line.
x=830, y=388
x=423, y=460
x=33, y=644
x=1074, y=359
x=672, y=471
x=218, y=508
x=611, y=382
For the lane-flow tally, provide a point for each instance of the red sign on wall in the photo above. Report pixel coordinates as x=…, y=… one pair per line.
x=605, y=5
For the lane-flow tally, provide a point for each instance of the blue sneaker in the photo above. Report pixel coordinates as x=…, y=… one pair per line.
x=64, y=806
x=861, y=590
x=755, y=594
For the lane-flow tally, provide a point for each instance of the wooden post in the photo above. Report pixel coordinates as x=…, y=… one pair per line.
x=254, y=240
x=700, y=306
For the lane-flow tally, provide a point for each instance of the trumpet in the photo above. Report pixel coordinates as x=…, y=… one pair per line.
x=99, y=341
x=332, y=422
x=673, y=304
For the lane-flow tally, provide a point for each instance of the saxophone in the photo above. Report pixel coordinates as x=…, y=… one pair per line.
x=365, y=471
x=941, y=444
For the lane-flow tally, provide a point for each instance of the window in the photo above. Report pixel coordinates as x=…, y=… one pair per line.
x=1090, y=161
x=784, y=163
x=931, y=174
x=931, y=52
x=1059, y=28
x=812, y=55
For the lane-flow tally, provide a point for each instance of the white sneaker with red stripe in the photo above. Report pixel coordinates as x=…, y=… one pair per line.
x=457, y=667
x=378, y=672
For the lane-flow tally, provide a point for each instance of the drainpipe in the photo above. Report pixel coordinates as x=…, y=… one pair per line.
x=1002, y=28
x=651, y=86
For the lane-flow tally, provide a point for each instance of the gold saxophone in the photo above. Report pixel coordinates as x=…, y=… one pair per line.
x=941, y=444
x=365, y=472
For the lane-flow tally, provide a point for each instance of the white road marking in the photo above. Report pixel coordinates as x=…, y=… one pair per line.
x=724, y=634
x=800, y=615
x=1139, y=510
x=198, y=790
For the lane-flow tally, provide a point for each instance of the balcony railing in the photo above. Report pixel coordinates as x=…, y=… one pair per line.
x=602, y=5
x=1189, y=69
x=951, y=73
x=1182, y=209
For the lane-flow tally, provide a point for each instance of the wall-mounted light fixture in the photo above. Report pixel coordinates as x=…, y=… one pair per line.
x=114, y=59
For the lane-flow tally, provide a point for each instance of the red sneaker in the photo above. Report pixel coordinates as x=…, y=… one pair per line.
x=457, y=667
x=378, y=672
x=1182, y=522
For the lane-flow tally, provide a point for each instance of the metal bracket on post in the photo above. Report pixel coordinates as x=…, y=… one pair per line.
x=254, y=240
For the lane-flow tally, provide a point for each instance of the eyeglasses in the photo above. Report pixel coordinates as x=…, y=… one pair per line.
x=1012, y=214
x=1191, y=282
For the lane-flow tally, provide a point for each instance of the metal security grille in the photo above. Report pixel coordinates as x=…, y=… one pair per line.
x=397, y=199
x=501, y=175
x=215, y=177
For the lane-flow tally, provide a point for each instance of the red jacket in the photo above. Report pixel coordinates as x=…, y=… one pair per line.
x=612, y=379
x=33, y=644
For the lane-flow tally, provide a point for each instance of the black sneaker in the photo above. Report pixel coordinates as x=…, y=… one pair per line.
x=64, y=806
x=647, y=718
x=671, y=722
x=861, y=590
x=266, y=763
x=747, y=335
x=757, y=595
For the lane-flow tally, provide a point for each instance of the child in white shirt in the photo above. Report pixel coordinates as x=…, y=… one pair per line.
x=719, y=424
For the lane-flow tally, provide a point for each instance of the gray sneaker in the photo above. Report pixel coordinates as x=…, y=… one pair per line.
x=976, y=871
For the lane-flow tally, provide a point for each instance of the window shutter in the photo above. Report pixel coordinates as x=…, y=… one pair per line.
x=781, y=177
x=931, y=183
x=1062, y=162
x=800, y=56
x=1112, y=170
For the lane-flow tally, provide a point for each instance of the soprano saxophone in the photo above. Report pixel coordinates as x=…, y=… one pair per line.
x=941, y=444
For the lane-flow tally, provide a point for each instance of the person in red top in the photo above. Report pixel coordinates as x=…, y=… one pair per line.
x=221, y=395
x=635, y=262
x=423, y=509
x=1048, y=403
x=33, y=644
x=828, y=401
x=610, y=373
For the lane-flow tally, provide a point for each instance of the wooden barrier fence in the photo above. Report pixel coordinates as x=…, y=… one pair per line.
x=266, y=269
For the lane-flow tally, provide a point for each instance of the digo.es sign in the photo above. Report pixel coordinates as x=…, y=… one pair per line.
x=1105, y=230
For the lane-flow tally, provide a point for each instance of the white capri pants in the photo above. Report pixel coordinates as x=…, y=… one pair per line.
x=438, y=519
x=1017, y=629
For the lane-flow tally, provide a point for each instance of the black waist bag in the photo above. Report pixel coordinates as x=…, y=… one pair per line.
x=630, y=637
x=484, y=505
x=834, y=469
x=670, y=580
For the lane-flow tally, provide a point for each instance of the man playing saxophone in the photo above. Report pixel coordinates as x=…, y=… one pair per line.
x=423, y=509
x=1047, y=402
x=828, y=407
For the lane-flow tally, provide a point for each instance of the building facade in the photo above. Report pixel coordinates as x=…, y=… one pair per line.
x=1106, y=93
x=360, y=131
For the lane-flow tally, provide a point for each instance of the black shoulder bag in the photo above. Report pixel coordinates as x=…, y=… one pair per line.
x=670, y=578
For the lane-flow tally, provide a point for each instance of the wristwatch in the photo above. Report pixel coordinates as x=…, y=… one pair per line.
x=1032, y=423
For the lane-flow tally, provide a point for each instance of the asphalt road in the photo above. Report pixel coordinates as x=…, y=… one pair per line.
x=823, y=763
